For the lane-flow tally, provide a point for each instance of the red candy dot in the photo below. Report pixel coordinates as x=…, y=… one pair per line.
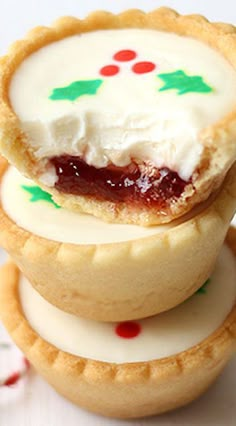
x=12, y=380
x=109, y=70
x=125, y=55
x=143, y=67
x=128, y=329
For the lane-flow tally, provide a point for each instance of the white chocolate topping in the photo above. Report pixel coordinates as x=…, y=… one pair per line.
x=161, y=336
x=128, y=117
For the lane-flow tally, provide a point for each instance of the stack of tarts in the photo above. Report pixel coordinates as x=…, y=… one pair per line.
x=122, y=128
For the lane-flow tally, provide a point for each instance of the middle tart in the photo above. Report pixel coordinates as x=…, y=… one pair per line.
x=110, y=272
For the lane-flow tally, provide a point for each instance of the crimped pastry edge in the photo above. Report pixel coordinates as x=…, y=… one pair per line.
x=102, y=293
x=218, y=138
x=204, y=361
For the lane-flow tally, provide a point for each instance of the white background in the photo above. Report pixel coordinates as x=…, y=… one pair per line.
x=33, y=403
x=17, y=16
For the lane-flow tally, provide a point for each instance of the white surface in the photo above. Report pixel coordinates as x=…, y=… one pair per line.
x=36, y=404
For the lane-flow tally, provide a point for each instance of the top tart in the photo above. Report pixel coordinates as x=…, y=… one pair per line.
x=129, y=117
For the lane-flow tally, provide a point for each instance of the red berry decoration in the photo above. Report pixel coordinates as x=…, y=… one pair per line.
x=143, y=67
x=109, y=70
x=12, y=379
x=125, y=55
x=128, y=329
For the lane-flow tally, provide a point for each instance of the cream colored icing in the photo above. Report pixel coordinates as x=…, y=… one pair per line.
x=161, y=336
x=128, y=117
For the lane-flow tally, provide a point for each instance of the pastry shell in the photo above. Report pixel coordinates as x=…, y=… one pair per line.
x=127, y=280
x=218, y=139
x=119, y=390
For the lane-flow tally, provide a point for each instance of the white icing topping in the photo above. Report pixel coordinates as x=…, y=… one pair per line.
x=161, y=336
x=128, y=117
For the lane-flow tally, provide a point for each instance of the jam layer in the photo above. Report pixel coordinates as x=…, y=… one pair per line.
x=133, y=184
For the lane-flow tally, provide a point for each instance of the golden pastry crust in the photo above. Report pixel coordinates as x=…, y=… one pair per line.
x=218, y=140
x=137, y=389
x=127, y=280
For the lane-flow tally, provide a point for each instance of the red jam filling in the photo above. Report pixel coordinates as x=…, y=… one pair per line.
x=133, y=184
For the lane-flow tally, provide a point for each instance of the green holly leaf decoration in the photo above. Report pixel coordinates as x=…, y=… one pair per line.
x=37, y=194
x=75, y=90
x=202, y=290
x=183, y=83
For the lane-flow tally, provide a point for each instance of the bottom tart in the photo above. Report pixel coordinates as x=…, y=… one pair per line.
x=128, y=369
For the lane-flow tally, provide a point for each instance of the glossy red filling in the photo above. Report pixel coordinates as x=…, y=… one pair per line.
x=134, y=183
